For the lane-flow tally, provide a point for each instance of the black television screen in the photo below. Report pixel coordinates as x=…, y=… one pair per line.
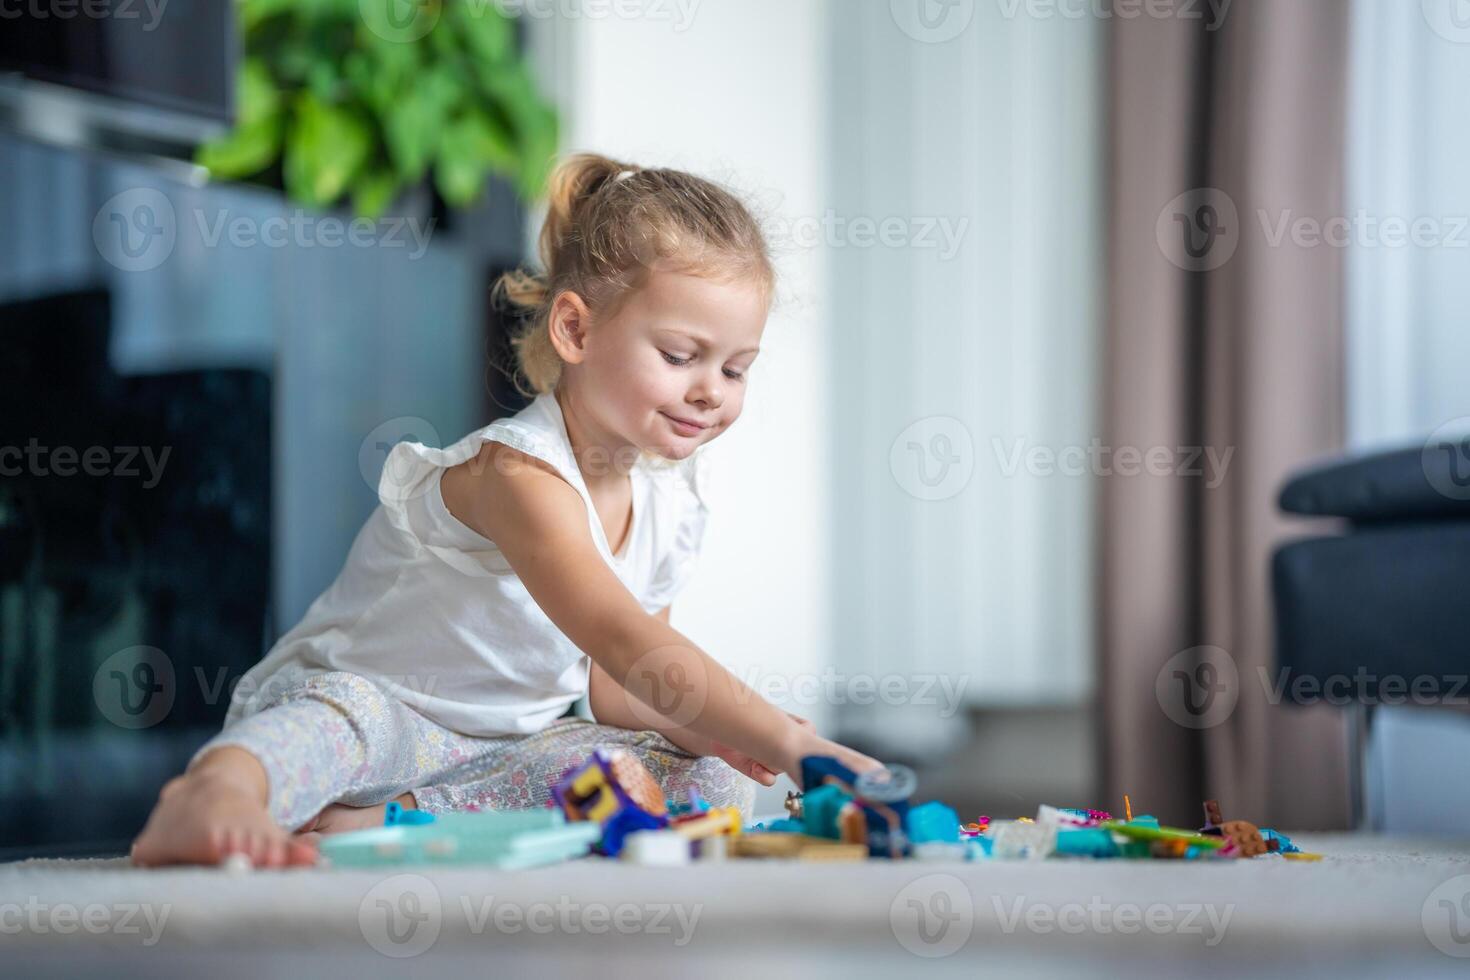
x=171, y=54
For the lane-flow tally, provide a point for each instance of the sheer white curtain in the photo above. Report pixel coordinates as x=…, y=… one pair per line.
x=966, y=338
x=1408, y=340
x=1408, y=295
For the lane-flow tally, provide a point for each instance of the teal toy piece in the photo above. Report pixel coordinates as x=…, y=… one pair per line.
x=396, y=815
x=932, y=821
x=499, y=838
x=1086, y=842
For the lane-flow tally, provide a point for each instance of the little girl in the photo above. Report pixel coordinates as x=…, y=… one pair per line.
x=527, y=565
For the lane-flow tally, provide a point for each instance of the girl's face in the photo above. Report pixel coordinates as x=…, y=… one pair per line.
x=668, y=370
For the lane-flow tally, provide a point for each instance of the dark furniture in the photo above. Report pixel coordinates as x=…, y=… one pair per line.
x=1377, y=614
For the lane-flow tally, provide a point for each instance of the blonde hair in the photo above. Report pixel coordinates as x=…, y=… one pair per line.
x=607, y=223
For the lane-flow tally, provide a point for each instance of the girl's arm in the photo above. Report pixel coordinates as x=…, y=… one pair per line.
x=540, y=524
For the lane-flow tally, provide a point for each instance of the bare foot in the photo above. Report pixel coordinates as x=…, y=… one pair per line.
x=209, y=813
x=339, y=818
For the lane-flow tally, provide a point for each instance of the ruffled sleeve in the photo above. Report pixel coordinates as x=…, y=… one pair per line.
x=690, y=515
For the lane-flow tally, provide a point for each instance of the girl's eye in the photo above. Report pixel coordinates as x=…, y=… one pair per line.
x=733, y=375
x=674, y=360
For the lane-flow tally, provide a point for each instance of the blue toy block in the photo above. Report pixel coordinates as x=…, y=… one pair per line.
x=819, y=809
x=628, y=820
x=932, y=821
x=1086, y=842
x=815, y=768
x=395, y=816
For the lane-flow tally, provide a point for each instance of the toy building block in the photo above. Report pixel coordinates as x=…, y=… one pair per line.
x=1245, y=837
x=932, y=821
x=1017, y=839
x=656, y=848
x=1280, y=841
x=607, y=783
x=794, y=846
x=1137, y=829
x=718, y=820
x=395, y=815
x=1085, y=842
x=625, y=822
x=820, y=808
x=817, y=769
x=500, y=838
x=1213, y=819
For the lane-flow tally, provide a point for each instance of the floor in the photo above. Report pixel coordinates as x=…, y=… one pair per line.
x=1376, y=906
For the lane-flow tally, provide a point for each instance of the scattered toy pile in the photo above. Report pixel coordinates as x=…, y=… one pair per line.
x=613, y=806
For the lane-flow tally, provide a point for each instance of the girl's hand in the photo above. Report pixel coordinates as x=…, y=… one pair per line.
x=750, y=767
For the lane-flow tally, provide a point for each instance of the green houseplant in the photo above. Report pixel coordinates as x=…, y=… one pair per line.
x=363, y=99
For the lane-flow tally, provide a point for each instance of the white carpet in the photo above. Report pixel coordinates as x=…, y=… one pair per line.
x=1375, y=907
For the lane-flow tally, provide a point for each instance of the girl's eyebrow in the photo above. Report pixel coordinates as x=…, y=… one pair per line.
x=703, y=342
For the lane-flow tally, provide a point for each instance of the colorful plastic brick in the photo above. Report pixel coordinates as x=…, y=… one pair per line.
x=500, y=838
x=932, y=821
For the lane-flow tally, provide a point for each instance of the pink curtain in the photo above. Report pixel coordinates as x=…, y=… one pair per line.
x=1224, y=338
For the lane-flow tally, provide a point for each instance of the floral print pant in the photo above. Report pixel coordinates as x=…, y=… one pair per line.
x=339, y=738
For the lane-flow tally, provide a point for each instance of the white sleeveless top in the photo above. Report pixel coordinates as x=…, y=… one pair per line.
x=431, y=611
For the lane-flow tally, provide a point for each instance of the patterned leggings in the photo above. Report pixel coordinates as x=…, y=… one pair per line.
x=338, y=738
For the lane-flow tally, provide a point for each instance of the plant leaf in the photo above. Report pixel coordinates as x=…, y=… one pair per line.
x=326, y=147
x=374, y=190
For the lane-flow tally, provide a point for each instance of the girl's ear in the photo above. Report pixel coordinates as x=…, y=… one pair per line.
x=567, y=325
